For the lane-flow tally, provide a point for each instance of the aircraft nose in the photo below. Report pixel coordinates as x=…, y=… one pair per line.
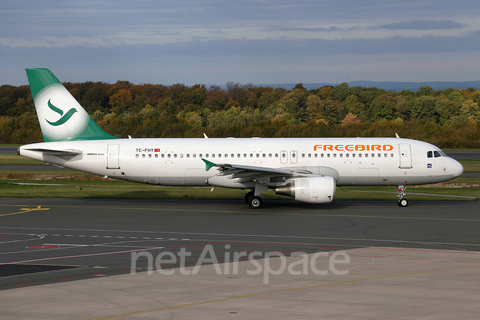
x=457, y=168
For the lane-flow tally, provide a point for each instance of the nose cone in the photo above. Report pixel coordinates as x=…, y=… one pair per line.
x=457, y=168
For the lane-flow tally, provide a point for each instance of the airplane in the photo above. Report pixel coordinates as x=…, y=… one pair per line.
x=307, y=169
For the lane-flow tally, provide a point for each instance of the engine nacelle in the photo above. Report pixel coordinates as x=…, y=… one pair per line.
x=311, y=190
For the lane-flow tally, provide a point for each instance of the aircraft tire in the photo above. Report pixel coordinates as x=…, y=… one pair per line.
x=402, y=203
x=255, y=202
x=248, y=195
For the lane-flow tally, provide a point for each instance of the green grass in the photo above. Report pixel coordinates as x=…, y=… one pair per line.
x=6, y=145
x=461, y=150
x=18, y=160
x=470, y=165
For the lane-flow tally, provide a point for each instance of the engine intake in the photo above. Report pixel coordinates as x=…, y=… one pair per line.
x=310, y=190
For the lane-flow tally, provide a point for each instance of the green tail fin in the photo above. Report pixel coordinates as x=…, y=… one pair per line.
x=61, y=117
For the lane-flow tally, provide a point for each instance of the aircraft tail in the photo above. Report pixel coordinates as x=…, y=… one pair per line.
x=61, y=117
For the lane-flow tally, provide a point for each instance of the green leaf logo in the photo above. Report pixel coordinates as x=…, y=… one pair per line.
x=63, y=119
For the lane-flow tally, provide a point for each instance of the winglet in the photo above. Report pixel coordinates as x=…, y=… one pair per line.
x=209, y=164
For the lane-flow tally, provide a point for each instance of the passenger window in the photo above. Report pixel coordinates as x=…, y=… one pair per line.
x=169, y=155
x=309, y=155
x=181, y=155
x=348, y=155
x=175, y=155
x=385, y=155
x=264, y=155
x=143, y=155
x=206, y=155
x=219, y=155
x=194, y=155
x=188, y=155
x=391, y=155
x=334, y=155
x=316, y=155
x=163, y=156
x=341, y=155
x=244, y=155
x=429, y=154
x=258, y=155
x=269, y=155
x=276, y=155
x=136, y=156
x=323, y=155
x=251, y=155
x=328, y=155
x=303, y=155
x=156, y=155
x=213, y=155
x=353, y=155
x=238, y=155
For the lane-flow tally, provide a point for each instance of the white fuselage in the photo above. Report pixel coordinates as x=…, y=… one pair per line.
x=178, y=162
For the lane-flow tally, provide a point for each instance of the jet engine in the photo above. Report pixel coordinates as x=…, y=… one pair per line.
x=311, y=190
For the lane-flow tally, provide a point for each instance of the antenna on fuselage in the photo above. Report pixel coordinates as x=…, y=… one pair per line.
x=396, y=135
x=205, y=135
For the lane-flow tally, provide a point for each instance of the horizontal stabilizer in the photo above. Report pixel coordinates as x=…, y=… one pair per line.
x=64, y=152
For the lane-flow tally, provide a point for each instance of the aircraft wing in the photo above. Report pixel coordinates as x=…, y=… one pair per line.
x=227, y=168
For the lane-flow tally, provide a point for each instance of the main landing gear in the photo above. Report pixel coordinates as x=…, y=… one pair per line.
x=402, y=202
x=252, y=197
x=255, y=202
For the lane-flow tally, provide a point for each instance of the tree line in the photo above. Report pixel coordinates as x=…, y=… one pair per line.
x=447, y=118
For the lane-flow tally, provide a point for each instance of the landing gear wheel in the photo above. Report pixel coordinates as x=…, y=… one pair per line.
x=402, y=202
x=255, y=202
x=248, y=195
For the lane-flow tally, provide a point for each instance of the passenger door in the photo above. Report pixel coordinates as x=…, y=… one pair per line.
x=405, y=156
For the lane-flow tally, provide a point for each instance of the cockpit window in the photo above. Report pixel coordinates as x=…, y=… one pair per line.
x=436, y=154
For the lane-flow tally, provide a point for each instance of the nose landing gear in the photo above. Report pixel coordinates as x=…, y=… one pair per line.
x=402, y=202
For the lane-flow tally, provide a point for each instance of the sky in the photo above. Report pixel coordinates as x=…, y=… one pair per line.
x=250, y=41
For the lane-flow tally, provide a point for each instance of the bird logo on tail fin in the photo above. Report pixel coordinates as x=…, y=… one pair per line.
x=64, y=118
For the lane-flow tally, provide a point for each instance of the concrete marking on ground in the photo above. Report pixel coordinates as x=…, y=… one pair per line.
x=25, y=210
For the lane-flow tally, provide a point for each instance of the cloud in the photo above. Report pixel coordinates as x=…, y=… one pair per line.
x=304, y=29
x=320, y=47
x=422, y=25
